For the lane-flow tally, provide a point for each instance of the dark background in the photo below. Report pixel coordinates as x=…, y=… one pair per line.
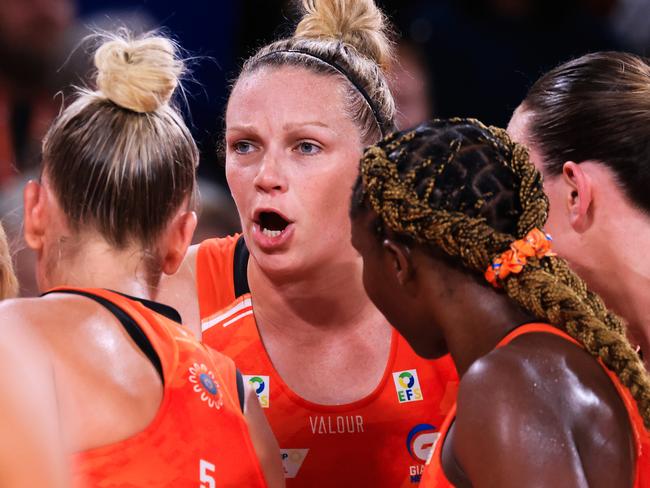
x=482, y=55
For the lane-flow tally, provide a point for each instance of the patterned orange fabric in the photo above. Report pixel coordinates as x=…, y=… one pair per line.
x=534, y=244
x=199, y=437
x=382, y=440
x=434, y=476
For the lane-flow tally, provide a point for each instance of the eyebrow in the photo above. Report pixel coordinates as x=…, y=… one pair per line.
x=285, y=127
x=317, y=123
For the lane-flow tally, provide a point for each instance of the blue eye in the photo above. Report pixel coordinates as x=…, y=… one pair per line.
x=308, y=148
x=243, y=147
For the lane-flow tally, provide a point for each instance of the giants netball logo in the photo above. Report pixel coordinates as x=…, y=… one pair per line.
x=407, y=385
x=205, y=385
x=420, y=442
x=262, y=387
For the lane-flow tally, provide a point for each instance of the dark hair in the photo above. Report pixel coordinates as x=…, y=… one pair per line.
x=596, y=107
x=466, y=190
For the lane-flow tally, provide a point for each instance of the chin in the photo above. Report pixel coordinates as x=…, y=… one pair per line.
x=279, y=265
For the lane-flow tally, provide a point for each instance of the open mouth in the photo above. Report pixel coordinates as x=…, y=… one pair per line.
x=272, y=224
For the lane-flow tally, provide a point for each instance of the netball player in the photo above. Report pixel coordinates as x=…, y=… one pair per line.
x=139, y=401
x=349, y=401
x=448, y=218
x=586, y=126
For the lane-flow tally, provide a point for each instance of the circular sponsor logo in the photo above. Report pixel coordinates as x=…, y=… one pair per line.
x=421, y=440
x=258, y=384
x=205, y=385
x=406, y=380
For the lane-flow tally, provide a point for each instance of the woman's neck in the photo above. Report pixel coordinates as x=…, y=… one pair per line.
x=616, y=266
x=96, y=264
x=622, y=279
x=474, y=322
x=317, y=302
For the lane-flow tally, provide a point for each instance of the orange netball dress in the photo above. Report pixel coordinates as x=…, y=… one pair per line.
x=199, y=437
x=381, y=440
x=434, y=475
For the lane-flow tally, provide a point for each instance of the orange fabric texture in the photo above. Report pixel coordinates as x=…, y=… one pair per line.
x=434, y=476
x=534, y=244
x=198, y=438
x=382, y=440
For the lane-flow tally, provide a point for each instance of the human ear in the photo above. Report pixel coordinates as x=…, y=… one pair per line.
x=176, y=239
x=34, y=215
x=400, y=257
x=579, y=198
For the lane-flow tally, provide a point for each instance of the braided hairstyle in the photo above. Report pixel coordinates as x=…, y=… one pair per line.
x=465, y=189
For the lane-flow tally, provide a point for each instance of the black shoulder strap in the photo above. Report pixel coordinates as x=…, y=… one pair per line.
x=241, y=393
x=240, y=268
x=130, y=325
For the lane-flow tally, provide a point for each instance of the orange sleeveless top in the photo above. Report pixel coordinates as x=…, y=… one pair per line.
x=198, y=438
x=382, y=440
x=434, y=475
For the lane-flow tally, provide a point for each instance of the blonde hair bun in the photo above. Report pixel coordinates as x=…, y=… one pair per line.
x=138, y=74
x=358, y=23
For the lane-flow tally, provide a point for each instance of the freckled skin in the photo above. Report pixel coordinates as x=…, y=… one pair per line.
x=537, y=412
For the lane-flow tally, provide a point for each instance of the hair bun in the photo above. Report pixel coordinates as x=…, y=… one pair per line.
x=356, y=22
x=138, y=74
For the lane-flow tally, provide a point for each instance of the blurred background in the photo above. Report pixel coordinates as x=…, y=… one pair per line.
x=455, y=58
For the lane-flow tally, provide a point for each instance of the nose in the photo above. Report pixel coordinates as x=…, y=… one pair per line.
x=271, y=177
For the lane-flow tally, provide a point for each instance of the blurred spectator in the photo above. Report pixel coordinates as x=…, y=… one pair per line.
x=630, y=19
x=410, y=82
x=486, y=53
x=217, y=212
x=32, y=44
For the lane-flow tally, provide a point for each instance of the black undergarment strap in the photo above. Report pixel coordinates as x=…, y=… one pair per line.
x=241, y=393
x=129, y=324
x=240, y=268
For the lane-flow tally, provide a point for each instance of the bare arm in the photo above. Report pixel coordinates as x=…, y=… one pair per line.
x=266, y=446
x=179, y=291
x=31, y=450
x=534, y=415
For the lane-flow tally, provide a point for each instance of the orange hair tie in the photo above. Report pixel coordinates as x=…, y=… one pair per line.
x=534, y=244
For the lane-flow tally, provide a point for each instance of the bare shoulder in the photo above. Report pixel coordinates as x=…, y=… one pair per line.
x=19, y=322
x=29, y=423
x=538, y=402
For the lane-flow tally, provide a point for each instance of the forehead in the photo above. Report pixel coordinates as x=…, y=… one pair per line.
x=288, y=93
x=518, y=125
x=518, y=130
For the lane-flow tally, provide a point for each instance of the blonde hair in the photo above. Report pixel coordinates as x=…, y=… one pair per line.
x=348, y=39
x=120, y=158
x=8, y=281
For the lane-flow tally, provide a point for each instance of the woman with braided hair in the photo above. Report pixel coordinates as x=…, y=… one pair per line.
x=448, y=218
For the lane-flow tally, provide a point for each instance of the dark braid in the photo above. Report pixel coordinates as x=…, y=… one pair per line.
x=468, y=190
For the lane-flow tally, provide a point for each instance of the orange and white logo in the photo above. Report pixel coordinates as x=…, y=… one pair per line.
x=206, y=385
